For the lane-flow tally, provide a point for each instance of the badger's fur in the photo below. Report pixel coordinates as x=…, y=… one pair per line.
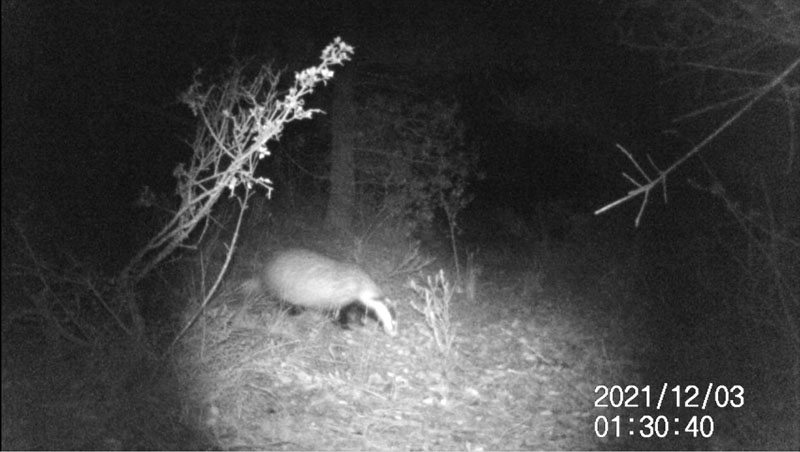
x=310, y=280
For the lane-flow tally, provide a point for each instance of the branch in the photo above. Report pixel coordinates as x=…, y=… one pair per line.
x=662, y=175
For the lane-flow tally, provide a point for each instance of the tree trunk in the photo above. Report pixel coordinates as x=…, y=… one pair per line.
x=342, y=195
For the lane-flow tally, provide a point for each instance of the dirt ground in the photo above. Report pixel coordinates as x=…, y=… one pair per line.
x=522, y=374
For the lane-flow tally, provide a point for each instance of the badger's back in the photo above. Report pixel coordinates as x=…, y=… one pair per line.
x=305, y=278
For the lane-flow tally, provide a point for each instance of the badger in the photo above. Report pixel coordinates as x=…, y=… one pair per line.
x=310, y=280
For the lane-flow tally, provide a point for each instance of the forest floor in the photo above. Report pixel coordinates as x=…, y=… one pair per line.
x=522, y=373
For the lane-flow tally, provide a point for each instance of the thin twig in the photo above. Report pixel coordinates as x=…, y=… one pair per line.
x=755, y=96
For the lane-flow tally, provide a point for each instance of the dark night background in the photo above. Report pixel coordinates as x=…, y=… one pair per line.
x=546, y=90
x=90, y=111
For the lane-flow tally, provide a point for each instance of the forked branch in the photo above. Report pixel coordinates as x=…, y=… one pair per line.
x=661, y=177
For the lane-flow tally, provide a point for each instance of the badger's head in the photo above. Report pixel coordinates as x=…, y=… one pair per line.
x=383, y=309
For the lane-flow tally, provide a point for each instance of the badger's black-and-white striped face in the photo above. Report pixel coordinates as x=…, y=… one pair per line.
x=357, y=313
x=385, y=314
